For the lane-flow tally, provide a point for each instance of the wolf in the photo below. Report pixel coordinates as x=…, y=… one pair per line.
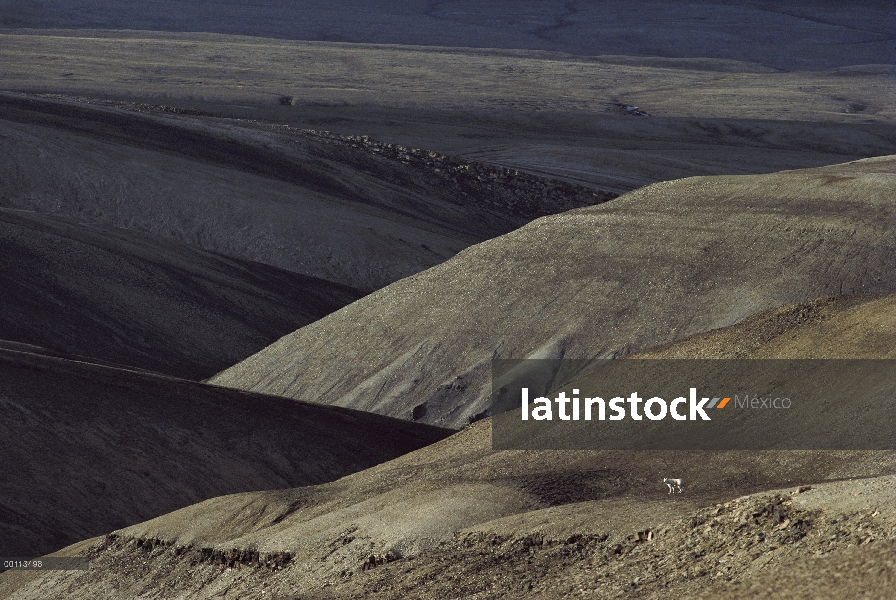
x=673, y=484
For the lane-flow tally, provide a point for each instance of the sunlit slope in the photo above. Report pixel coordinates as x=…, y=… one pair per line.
x=848, y=327
x=407, y=507
x=139, y=300
x=88, y=448
x=322, y=536
x=656, y=265
x=835, y=327
x=348, y=212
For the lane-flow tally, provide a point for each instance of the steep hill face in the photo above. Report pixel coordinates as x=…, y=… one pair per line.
x=457, y=517
x=88, y=448
x=350, y=211
x=656, y=265
x=134, y=299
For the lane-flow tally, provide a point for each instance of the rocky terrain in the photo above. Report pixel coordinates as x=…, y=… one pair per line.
x=655, y=265
x=134, y=299
x=800, y=542
x=457, y=519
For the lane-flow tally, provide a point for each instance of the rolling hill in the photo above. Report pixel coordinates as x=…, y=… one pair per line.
x=256, y=260
x=90, y=448
x=457, y=517
x=615, y=121
x=133, y=299
x=351, y=211
x=656, y=265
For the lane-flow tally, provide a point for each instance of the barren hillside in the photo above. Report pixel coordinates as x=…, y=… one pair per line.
x=257, y=260
x=614, y=121
x=130, y=298
x=90, y=448
x=656, y=265
x=458, y=519
x=351, y=211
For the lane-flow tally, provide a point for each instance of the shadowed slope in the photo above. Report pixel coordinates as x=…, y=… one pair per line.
x=348, y=211
x=90, y=448
x=547, y=113
x=458, y=518
x=806, y=34
x=656, y=265
x=134, y=299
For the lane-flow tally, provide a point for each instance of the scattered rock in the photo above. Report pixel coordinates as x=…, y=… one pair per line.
x=376, y=559
x=499, y=188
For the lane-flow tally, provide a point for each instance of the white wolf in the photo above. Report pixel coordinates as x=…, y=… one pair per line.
x=673, y=484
